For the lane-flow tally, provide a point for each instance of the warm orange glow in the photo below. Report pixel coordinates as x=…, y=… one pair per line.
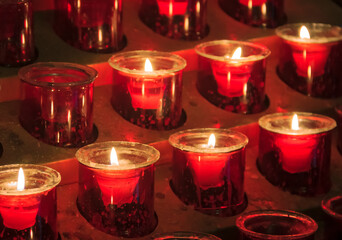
x=212, y=141
x=304, y=33
x=21, y=180
x=237, y=53
x=295, y=124
x=114, y=157
x=148, y=66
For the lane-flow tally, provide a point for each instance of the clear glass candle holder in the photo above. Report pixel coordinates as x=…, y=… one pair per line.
x=16, y=33
x=57, y=103
x=117, y=197
x=177, y=19
x=276, y=225
x=147, y=88
x=94, y=26
x=185, y=236
x=296, y=159
x=28, y=205
x=310, y=58
x=231, y=81
x=256, y=13
x=209, y=175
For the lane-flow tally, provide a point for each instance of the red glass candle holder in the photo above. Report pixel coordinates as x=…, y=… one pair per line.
x=118, y=197
x=210, y=177
x=333, y=207
x=311, y=63
x=178, y=19
x=185, y=236
x=16, y=33
x=149, y=96
x=297, y=160
x=256, y=13
x=276, y=225
x=94, y=26
x=57, y=105
x=236, y=84
x=28, y=211
x=338, y=110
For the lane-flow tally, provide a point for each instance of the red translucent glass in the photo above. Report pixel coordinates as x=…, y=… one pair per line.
x=312, y=69
x=90, y=25
x=121, y=204
x=276, y=225
x=258, y=13
x=16, y=33
x=57, y=105
x=178, y=19
x=212, y=183
x=236, y=86
x=13, y=222
x=299, y=164
x=339, y=124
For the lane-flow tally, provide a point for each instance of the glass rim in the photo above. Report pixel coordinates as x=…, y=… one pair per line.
x=54, y=178
x=174, y=140
x=81, y=155
x=283, y=213
x=91, y=72
x=265, y=52
x=329, y=39
x=115, y=59
x=184, y=235
x=326, y=206
x=263, y=122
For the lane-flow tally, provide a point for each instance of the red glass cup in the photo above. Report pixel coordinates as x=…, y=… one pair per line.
x=209, y=176
x=338, y=110
x=148, y=95
x=94, y=26
x=256, y=13
x=296, y=160
x=232, y=82
x=28, y=207
x=16, y=33
x=117, y=197
x=276, y=225
x=311, y=63
x=184, y=235
x=177, y=19
x=57, y=103
x=333, y=207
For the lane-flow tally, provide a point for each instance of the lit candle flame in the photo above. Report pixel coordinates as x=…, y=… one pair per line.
x=114, y=157
x=211, y=141
x=21, y=180
x=237, y=53
x=304, y=33
x=295, y=124
x=148, y=66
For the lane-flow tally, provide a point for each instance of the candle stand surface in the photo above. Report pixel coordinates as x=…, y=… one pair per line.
x=173, y=215
x=311, y=64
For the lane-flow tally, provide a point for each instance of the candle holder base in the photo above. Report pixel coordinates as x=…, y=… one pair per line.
x=252, y=103
x=21, y=63
x=128, y=220
x=303, y=184
x=223, y=211
x=323, y=86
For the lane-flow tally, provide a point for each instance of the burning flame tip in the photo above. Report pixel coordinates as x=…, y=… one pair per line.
x=148, y=66
x=295, y=123
x=113, y=157
x=211, y=141
x=21, y=180
x=304, y=33
x=237, y=53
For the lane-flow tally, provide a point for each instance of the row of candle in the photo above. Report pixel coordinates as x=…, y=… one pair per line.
x=57, y=98
x=90, y=26
x=116, y=179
